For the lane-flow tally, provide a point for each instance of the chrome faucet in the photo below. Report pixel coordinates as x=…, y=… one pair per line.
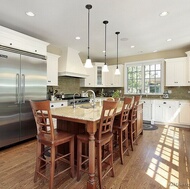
x=94, y=96
x=74, y=105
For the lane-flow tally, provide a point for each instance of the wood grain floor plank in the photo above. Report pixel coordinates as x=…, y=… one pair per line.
x=161, y=160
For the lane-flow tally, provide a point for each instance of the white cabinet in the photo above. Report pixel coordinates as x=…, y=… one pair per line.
x=89, y=81
x=166, y=111
x=57, y=104
x=52, y=69
x=97, y=78
x=113, y=80
x=147, y=110
x=99, y=75
x=184, y=116
x=11, y=38
x=176, y=71
x=188, y=68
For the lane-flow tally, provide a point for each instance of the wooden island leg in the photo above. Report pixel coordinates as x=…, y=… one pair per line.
x=91, y=129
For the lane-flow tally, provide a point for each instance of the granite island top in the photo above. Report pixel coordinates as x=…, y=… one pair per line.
x=82, y=111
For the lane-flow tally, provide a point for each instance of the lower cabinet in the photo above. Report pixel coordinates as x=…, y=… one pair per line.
x=166, y=111
x=176, y=112
x=184, y=116
x=57, y=104
x=147, y=110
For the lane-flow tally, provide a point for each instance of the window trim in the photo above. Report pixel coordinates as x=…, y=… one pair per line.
x=143, y=63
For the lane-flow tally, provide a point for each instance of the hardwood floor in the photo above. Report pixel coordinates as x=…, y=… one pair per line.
x=160, y=160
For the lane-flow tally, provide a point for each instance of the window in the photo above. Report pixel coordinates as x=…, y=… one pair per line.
x=144, y=77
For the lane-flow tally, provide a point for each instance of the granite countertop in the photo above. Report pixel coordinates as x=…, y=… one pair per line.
x=82, y=111
x=166, y=99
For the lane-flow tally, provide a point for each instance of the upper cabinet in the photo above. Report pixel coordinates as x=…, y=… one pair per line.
x=89, y=81
x=99, y=75
x=113, y=80
x=11, y=38
x=98, y=78
x=52, y=69
x=176, y=72
x=188, y=68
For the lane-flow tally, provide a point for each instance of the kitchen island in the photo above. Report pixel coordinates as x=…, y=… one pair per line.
x=71, y=119
x=83, y=114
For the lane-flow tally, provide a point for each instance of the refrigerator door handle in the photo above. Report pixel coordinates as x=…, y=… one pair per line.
x=23, y=88
x=17, y=89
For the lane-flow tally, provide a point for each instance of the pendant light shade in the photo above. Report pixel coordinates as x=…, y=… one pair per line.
x=117, y=72
x=105, y=67
x=88, y=63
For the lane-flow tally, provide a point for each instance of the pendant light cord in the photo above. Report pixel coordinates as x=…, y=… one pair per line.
x=117, y=47
x=88, y=33
x=88, y=7
x=105, y=22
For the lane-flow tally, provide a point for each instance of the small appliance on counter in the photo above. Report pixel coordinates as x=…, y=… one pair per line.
x=165, y=95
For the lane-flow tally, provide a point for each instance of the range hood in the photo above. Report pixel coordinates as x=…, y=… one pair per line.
x=71, y=65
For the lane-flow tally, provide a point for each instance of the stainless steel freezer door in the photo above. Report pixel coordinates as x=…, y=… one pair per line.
x=33, y=86
x=9, y=98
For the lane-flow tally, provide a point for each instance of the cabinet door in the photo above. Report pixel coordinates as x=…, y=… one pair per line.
x=52, y=69
x=89, y=81
x=147, y=110
x=176, y=69
x=184, y=116
x=158, y=112
x=99, y=75
x=113, y=80
x=171, y=113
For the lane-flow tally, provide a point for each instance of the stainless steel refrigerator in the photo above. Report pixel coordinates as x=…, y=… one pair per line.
x=23, y=76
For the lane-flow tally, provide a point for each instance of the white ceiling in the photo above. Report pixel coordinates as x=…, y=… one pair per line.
x=60, y=21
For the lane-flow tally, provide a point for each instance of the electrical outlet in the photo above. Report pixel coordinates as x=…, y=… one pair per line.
x=188, y=92
x=170, y=91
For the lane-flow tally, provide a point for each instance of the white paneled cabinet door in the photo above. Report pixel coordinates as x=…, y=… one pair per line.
x=118, y=79
x=147, y=110
x=184, y=116
x=158, y=112
x=52, y=69
x=113, y=80
x=99, y=75
x=166, y=111
x=89, y=81
x=176, y=71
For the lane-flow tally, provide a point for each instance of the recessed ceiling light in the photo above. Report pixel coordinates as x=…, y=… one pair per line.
x=132, y=46
x=168, y=40
x=103, y=51
x=165, y=13
x=77, y=37
x=29, y=13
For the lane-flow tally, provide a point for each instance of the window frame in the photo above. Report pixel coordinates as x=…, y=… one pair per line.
x=142, y=64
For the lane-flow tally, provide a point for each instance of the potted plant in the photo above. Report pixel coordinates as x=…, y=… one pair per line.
x=116, y=95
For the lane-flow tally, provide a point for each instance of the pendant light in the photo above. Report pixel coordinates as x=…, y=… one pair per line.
x=105, y=67
x=117, y=72
x=88, y=63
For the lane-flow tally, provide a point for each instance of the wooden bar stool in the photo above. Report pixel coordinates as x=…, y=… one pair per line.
x=133, y=122
x=120, y=127
x=104, y=137
x=48, y=137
